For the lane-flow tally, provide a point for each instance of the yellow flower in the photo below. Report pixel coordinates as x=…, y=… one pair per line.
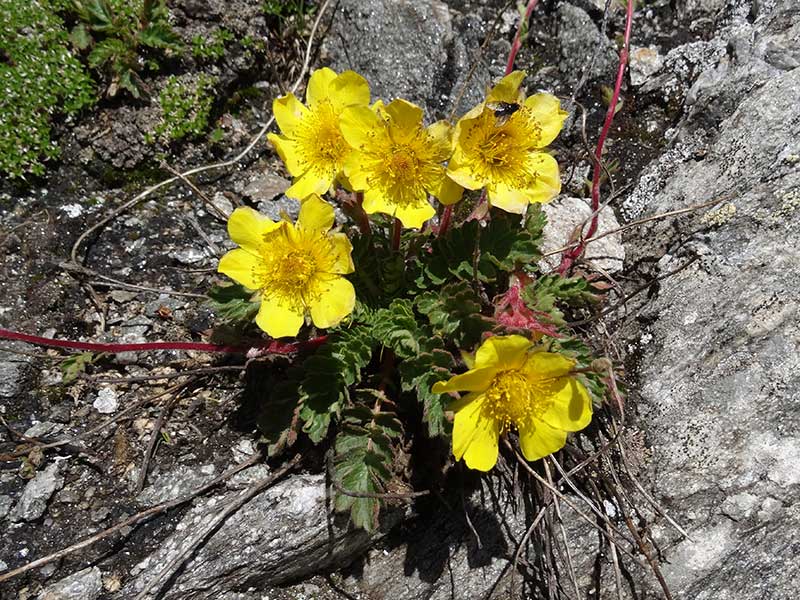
x=312, y=145
x=397, y=162
x=498, y=143
x=295, y=269
x=511, y=384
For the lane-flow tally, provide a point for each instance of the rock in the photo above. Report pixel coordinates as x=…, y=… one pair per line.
x=582, y=46
x=563, y=216
x=266, y=187
x=106, y=402
x=5, y=505
x=279, y=536
x=644, y=63
x=720, y=377
x=33, y=502
x=83, y=585
x=14, y=368
x=414, y=49
x=41, y=429
x=175, y=483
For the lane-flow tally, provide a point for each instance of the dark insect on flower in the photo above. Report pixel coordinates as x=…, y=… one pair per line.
x=502, y=111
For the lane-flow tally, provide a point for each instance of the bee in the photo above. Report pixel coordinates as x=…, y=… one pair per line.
x=502, y=111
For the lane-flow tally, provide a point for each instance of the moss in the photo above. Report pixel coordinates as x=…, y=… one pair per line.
x=186, y=102
x=212, y=47
x=42, y=79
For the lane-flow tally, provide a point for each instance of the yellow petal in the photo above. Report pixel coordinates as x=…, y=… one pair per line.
x=507, y=89
x=461, y=173
x=315, y=214
x=475, y=436
x=357, y=177
x=319, y=85
x=571, y=408
x=336, y=300
x=548, y=365
x=240, y=266
x=288, y=111
x=309, y=183
x=442, y=134
x=511, y=200
x=246, y=227
x=343, y=250
x=546, y=109
x=360, y=127
x=548, y=182
x=474, y=380
x=414, y=215
x=349, y=89
x=405, y=115
x=448, y=192
x=503, y=352
x=537, y=440
x=287, y=150
x=278, y=319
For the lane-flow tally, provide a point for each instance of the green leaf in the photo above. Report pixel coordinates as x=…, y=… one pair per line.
x=396, y=327
x=327, y=376
x=109, y=50
x=363, y=457
x=99, y=14
x=233, y=303
x=75, y=365
x=279, y=412
x=420, y=373
x=80, y=36
x=159, y=34
x=454, y=312
x=543, y=294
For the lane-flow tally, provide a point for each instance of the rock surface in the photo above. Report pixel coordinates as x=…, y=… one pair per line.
x=281, y=535
x=83, y=585
x=719, y=369
x=33, y=502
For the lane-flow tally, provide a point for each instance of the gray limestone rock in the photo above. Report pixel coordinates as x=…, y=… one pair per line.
x=83, y=585
x=719, y=374
x=582, y=46
x=33, y=502
x=564, y=215
x=279, y=536
x=411, y=49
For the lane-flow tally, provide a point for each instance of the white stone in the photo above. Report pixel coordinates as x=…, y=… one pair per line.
x=106, y=401
x=563, y=216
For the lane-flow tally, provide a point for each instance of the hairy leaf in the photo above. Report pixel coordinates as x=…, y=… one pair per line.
x=233, y=303
x=328, y=373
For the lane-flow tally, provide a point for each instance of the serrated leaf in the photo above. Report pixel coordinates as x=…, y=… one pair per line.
x=75, y=365
x=106, y=51
x=327, y=376
x=80, y=37
x=233, y=302
x=159, y=34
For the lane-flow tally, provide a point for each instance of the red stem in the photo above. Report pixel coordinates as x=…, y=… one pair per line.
x=272, y=347
x=569, y=256
x=444, y=222
x=396, y=232
x=517, y=44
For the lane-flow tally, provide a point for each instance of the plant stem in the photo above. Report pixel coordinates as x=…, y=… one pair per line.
x=570, y=256
x=517, y=44
x=271, y=347
x=396, y=231
x=444, y=222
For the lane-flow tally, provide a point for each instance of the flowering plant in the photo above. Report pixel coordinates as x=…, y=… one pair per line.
x=397, y=300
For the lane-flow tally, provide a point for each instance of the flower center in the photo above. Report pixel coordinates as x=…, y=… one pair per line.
x=501, y=152
x=320, y=141
x=514, y=399
x=291, y=266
